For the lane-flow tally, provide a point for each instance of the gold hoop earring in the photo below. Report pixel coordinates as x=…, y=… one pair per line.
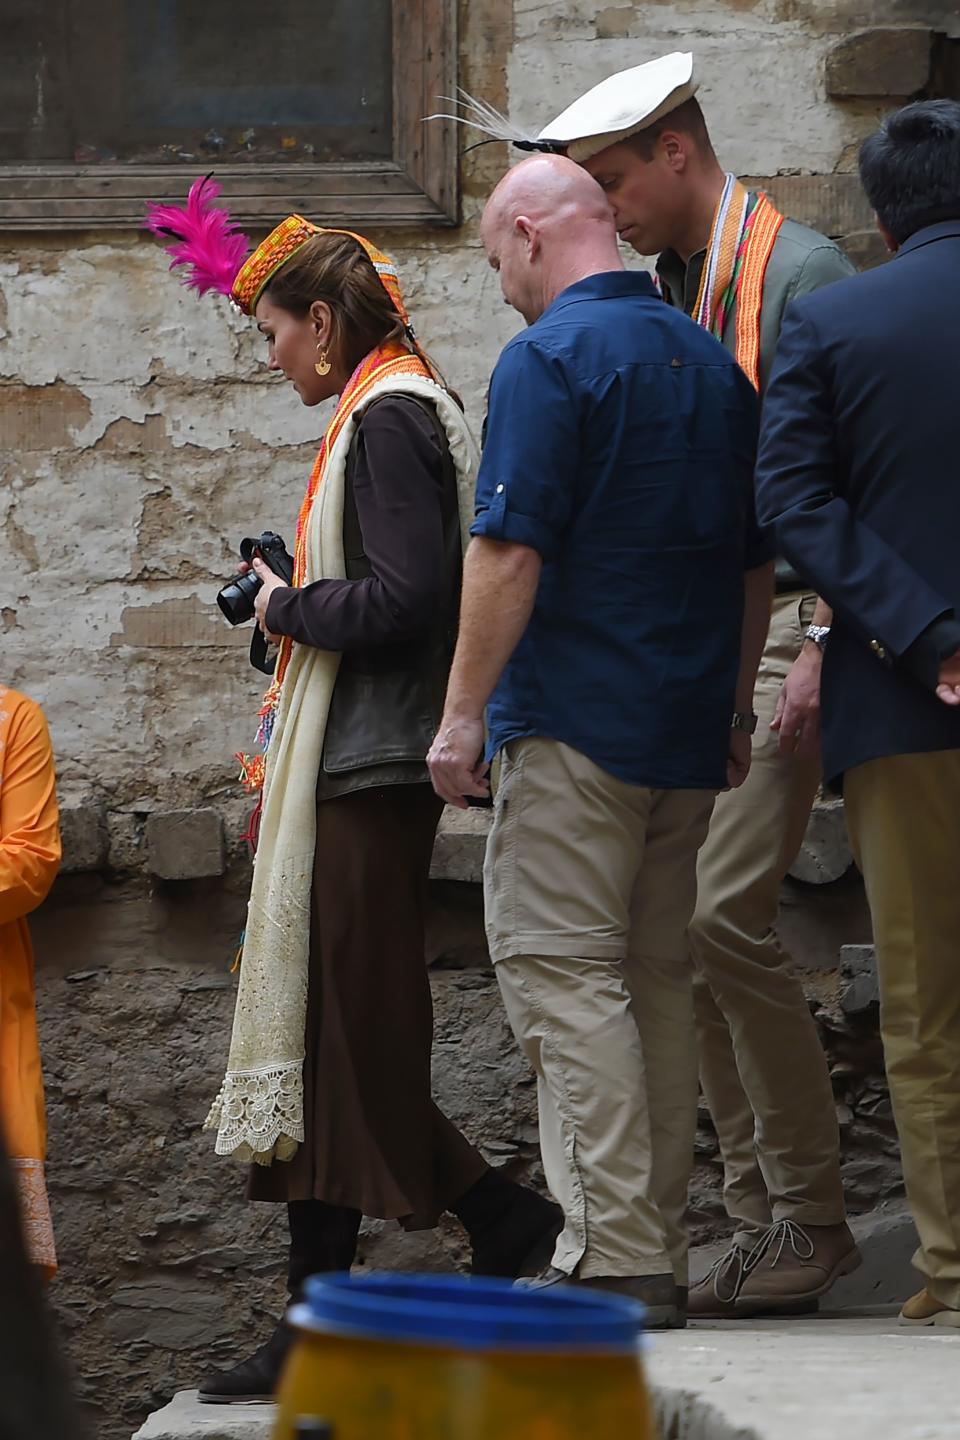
x=322, y=366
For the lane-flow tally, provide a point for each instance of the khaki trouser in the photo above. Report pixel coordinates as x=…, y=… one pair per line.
x=903, y=813
x=762, y=1068
x=589, y=885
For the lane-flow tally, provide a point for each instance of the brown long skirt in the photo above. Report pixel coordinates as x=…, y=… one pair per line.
x=375, y=1141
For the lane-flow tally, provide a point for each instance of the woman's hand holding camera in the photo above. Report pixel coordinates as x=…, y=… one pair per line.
x=270, y=582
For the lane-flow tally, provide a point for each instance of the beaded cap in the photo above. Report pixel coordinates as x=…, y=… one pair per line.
x=282, y=244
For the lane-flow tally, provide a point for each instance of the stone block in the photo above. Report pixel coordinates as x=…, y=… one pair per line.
x=186, y=1419
x=125, y=833
x=825, y=854
x=860, y=988
x=833, y=204
x=460, y=845
x=185, y=844
x=866, y=248
x=83, y=832
x=890, y=63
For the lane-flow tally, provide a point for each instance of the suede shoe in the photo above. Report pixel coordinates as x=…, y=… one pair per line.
x=664, y=1301
x=715, y=1295
x=791, y=1265
x=924, y=1309
x=254, y=1380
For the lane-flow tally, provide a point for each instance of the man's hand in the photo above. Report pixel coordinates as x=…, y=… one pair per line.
x=948, y=686
x=738, y=758
x=797, y=716
x=271, y=582
x=455, y=760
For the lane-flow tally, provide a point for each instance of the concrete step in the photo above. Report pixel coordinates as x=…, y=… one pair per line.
x=844, y=1378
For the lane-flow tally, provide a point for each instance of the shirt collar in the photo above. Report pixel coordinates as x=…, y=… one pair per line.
x=609, y=285
x=675, y=276
x=945, y=230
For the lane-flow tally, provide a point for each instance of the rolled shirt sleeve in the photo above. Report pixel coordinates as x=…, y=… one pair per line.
x=531, y=456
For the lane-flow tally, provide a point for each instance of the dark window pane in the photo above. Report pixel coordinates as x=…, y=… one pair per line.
x=175, y=80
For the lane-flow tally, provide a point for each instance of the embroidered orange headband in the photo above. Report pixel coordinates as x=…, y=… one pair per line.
x=216, y=255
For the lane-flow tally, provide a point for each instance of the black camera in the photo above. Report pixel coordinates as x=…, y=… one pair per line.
x=237, y=596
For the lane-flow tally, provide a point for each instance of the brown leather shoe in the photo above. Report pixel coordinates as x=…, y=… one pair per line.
x=715, y=1295
x=664, y=1300
x=924, y=1309
x=793, y=1264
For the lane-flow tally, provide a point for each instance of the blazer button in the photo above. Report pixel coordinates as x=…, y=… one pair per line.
x=878, y=649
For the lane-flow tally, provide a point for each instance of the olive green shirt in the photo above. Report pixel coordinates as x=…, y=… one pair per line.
x=802, y=261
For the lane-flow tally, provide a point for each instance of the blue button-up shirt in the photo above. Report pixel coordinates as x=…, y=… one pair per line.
x=620, y=446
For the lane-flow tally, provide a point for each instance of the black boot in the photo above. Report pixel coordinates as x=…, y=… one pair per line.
x=512, y=1229
x=254, y=1379
x=322, y=1238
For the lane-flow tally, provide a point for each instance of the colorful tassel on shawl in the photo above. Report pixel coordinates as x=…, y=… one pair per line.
x=208, y=243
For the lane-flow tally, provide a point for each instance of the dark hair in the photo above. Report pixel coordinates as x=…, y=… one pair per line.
x=687, y=118
x=336, y=269
x=910, y=168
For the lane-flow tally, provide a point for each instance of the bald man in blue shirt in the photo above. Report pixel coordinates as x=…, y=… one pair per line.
x=616, y=600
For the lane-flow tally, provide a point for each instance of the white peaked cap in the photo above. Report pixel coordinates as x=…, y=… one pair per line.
x=621, y=105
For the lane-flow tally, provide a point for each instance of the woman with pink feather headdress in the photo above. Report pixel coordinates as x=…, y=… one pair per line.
x=328, y=1087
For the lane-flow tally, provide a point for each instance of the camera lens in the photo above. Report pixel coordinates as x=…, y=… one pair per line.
x=237, y=596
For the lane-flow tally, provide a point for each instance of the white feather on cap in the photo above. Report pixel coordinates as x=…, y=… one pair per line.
x=621, y=105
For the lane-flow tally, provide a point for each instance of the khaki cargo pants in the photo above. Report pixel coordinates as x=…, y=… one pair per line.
x=762, y=1067
x=589, y=885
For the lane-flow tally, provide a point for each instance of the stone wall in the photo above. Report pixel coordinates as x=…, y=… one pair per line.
x=140, y=437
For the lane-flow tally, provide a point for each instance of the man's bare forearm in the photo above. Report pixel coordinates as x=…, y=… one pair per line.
x=757, y=604
x=499, y=589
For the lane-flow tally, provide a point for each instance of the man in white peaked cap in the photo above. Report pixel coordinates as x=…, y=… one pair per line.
x=732, y=262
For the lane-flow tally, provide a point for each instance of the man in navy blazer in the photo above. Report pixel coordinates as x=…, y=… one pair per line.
x=859, y=470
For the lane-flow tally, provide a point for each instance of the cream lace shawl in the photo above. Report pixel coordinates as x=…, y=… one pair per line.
x=258, y=1114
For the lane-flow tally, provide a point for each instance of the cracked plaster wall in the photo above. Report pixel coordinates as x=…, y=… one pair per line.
x=140, y=437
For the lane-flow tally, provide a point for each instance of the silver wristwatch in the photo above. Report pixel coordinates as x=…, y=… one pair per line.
x=744, y=720
x=818, y=634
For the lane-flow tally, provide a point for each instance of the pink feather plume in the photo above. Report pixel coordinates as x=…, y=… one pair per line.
x=206, y=240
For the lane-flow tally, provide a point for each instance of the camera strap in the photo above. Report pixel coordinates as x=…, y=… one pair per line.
x=260, y=657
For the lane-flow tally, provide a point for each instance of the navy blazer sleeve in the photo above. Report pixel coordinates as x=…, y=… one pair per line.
x=800, y=490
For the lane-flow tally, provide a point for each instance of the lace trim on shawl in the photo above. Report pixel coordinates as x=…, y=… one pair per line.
x=258, y=1114
x=35, y=1213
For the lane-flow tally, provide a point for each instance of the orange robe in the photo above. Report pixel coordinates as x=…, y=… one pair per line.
x=29, y=860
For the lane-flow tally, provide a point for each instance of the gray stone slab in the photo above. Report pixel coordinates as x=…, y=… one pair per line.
x=837, y=1379
x=185, y=844
x=186, y=1419
x=83, y=832
x=860, y=986
x=460, y=844
x=825, y=854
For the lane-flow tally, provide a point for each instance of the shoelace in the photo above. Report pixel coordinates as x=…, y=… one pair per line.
x=733, y=1260
x=779, y=1235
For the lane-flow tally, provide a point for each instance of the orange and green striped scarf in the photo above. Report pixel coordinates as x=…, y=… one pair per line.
x=742, y=238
